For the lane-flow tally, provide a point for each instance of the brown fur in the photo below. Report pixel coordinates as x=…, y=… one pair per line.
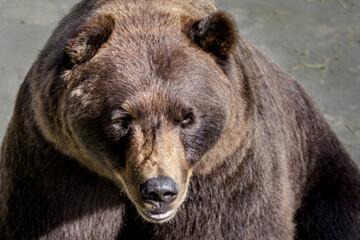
x=126, y=91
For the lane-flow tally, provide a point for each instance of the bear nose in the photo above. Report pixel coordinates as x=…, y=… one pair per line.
x=159, y=190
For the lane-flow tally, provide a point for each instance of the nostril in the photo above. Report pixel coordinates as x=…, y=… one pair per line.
x=152, y=196
x=162, y=189
x=169, y=194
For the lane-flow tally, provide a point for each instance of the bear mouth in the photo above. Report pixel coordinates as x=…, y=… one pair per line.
x=158, y=216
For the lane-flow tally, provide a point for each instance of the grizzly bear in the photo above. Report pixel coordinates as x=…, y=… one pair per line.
x=156, y=120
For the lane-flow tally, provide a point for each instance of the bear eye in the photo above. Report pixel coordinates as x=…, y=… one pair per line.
x=120, y=128
x=123, y=123
x=187, y=120
x=120, y=122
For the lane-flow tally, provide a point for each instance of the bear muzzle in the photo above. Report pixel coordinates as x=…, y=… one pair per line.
x=159, y=193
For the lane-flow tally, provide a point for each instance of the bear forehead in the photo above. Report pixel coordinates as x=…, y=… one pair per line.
x=155, y=62
x=152, y=42
x=148, y=63
x=146, y=14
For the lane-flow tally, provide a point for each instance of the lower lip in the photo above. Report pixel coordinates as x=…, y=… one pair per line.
x=159, y=216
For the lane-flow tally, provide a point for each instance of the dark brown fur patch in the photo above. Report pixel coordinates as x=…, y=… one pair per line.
x=89, y=38
x=216, y=33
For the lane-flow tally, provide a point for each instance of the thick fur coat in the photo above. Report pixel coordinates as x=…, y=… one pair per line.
x=132, y=97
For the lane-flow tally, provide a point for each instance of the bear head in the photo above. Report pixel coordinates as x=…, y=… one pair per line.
x=144, y=97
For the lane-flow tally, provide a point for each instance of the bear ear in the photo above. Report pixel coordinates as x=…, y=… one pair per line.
x=216, y=33
x=89, y=38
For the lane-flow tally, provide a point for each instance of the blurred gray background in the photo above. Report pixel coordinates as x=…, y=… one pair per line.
x=317, y=41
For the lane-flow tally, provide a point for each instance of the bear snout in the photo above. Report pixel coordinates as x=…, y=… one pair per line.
x=159, y=191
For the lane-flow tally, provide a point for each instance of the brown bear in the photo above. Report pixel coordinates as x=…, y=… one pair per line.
x=156, y=120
